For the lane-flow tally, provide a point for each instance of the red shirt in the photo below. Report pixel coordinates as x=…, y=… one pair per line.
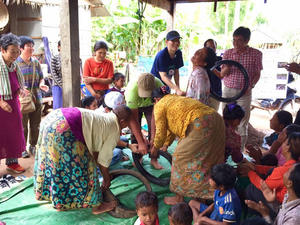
x=251, y=59
x=104, y=69
x=275, y=180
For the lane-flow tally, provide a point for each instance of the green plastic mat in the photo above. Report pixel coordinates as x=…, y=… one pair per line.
x=18, y=205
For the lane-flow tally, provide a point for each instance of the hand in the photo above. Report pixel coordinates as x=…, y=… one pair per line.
x=282, y=137
x=180, y=92
x=254, y=152
x=259, y=207
x=44, y=87
x=134, y=148
x=89, y=80
x=293, y=67
x=164, y=148
x=270, y=195
x=200, y=220
x=154, y=152
x=23, y=92
x=5, y=106
x=142, y=149
x=244, y=168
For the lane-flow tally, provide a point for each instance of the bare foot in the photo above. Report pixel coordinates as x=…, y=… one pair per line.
x=104, y=207
x=156, y=164
x=173, y=200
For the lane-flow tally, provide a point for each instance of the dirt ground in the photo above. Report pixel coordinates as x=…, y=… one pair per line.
x=259, y=120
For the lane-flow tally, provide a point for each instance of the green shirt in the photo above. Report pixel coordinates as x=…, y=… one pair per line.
x=132, y=98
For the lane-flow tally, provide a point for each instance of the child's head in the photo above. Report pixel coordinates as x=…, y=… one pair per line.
x=233, y=114
x=119, y=80
x=146, y=204
x=89, y=102
x=280, y=120
x=222, y=177
x=291, y=179
x=204, y=57
x=180, y=214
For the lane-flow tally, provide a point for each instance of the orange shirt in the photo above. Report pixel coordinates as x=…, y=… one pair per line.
x=104, y=69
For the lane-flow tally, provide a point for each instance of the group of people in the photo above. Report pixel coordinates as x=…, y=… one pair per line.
x=74, y=142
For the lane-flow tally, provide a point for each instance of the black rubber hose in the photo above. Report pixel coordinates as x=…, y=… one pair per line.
x=121, y=211
x=155, y=180
x=246, y=81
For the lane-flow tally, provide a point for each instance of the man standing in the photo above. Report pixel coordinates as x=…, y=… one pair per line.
x=251, y=59
x=57, y=78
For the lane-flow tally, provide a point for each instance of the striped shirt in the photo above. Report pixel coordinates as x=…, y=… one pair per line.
x=56, y=70
x=27, y=71
x=251, y=59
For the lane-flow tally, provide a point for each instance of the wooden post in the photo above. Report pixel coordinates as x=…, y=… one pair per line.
x=170, y=21
x=69, y=33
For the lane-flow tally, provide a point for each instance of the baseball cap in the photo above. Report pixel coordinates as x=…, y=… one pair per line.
x=173, y=34
x=146, y=84
x=114, y=99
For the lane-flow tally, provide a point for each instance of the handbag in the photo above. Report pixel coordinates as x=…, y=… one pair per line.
x=28, y=102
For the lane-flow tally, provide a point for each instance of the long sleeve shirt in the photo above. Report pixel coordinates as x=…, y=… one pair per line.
x=56, y=70
x=275, y=180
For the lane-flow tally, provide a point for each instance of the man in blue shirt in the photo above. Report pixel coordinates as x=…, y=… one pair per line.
x=168, y=61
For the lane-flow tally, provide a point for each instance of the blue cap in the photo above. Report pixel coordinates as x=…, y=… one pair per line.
x=173, y=34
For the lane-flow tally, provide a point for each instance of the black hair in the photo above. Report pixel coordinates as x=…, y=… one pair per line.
x=255, y=220
x=209, y=40
x=118, y=76
x=292, y=128
x=160, y=92
x=58, y=43
x=244, y=32
x=87, y=101
x=211, y=58
x=284, y=117
x=146, y=199
x=295, y=178
x=105, y=106
x=181, y=214
x=233, y=111
x=294, y=145
x=9, y=39
x=297, y=119
x=25, y=40
x=100, y=44
x=223, y=174
x=269, y=160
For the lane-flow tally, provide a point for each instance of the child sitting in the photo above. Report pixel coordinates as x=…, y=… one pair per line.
x=146, y=204
x=180, y=214
x=118, y=81
x=232, y=115
x=89, y=102
x=226, y=207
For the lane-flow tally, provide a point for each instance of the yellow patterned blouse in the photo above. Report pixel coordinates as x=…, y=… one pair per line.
x=173, y=114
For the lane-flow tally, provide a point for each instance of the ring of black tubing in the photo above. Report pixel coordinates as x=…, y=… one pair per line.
x=121, y=211
x=155, y=180
x=246, y=81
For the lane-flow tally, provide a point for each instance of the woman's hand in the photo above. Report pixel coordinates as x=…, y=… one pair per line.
x=244, y=168
x=259, y=207
x=23, y=92
x=134, y=148
x=44, y=87
x=5, y=106
x=89, y=80
x=254, y=152
x=270, y=195
x=180, y=92
x=281, y=137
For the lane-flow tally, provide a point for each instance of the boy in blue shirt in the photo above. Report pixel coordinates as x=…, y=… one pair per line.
x=226, y=208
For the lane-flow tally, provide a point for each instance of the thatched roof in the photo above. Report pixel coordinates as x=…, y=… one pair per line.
x=97, y=7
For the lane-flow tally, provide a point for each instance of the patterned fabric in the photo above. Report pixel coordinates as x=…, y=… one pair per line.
x=56, y=70
x=199, y=85
x=173, y=114
x=65, y=172
x=27, y=71
x=251, y=59
x=6, y=92
x=233, y=144
x=195, y=155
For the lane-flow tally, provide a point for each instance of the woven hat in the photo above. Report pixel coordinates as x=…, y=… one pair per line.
x=4, y=16
x=114, y=99
x=146, y=84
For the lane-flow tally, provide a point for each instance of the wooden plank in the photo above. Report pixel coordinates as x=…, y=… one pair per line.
x=69, y=32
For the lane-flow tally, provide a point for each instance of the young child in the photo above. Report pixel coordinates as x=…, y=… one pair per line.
x=232, y=115
x=226, y=207
x=180, y=214
x=118, y=81
x=146, y=204
x=199, y=84
x=89, y=102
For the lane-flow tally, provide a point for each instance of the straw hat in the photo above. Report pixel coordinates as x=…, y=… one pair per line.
x=4, y=17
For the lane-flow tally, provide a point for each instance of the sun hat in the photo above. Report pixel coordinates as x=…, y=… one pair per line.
x=114, y=99
x=146, y=84
x=173, y=34
x=4, y=16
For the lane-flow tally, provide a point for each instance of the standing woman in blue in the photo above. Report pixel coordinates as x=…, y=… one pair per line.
x=168, y=61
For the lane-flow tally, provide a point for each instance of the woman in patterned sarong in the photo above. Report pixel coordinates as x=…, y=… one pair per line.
x=72, y=143
x=201, y=144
